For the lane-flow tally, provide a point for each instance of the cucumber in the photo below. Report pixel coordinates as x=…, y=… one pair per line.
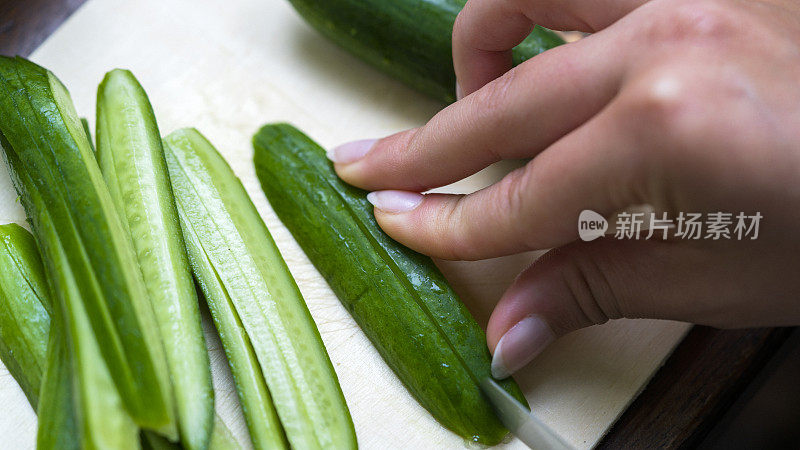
x=85, y=125
x=398, y=297
x=103, y=421
x=410, y=40
x=99, y=416
x=24, y=317
x=57, y=427
x=244, y=277
x=88, y=254
x=251, y=387
x=31, y=344
x=131, y=158
x=221, y=439
x=27, y=311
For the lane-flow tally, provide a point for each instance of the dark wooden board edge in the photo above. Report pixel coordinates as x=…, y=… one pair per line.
x=705, y=374
x=25, y=24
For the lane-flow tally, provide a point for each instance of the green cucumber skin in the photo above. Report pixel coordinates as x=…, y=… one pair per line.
x=48, y=144
x=103, y=420
x=408, y=39
x=57, y=427
x=40, y=354
x=246, y=263
x=24, y=317
x=85, y=402
x=58, y=424
x=99, y=416
x=85, y=124
x=397, y=296
x=131, y=158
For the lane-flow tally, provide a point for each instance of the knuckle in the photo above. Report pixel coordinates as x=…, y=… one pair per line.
x=511, y=192
x=492, y=99
x=511, y=195
x=460, y=27
x=671, y=112
x=657, y=115
x=463, y=27
x=592, y=295
x=705, y=20
x=403, y=153
x=659, y=102
x=520, y=210
x=451, y=224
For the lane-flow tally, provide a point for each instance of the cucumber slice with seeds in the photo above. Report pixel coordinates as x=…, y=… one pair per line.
x=234, y=253
x=131, y=158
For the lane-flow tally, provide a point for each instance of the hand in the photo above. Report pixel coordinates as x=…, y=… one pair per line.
x=686, y=105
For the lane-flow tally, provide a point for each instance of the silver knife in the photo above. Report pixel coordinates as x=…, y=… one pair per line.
x=519, y=420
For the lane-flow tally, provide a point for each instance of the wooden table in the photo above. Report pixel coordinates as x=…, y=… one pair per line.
x=697, y=384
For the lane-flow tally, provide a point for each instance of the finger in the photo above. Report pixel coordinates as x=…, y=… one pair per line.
x=585, y=284
x=598, y=167
x=513, y=117
x=589, y=283
x=485, y=31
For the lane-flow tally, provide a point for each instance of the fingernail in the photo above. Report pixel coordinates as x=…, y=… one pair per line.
x=395, y=201
x=351, y=151
x=520, y=345
x=459, y=91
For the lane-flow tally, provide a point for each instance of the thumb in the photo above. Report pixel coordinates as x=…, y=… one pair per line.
x=588, y=283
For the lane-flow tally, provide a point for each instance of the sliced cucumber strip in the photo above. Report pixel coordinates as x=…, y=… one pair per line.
x=82, y=236
x=234, y=252
x=24, y=317
x=131, y=158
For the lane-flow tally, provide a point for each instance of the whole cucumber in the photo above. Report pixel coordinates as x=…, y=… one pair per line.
x=131, y=158
x=89, y=256
x=245, y=278
x=398, y=297
x=408, y=39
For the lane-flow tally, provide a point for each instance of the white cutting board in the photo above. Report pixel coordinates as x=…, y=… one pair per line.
x=227, y=67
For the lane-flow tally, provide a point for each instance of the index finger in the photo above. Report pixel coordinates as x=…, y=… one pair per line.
x=513, y=117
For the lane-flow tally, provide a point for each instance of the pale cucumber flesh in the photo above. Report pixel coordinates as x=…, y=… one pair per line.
x=131, y=158
x=247, y=263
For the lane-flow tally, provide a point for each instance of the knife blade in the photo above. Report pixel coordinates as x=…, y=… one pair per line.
x=519, y=420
